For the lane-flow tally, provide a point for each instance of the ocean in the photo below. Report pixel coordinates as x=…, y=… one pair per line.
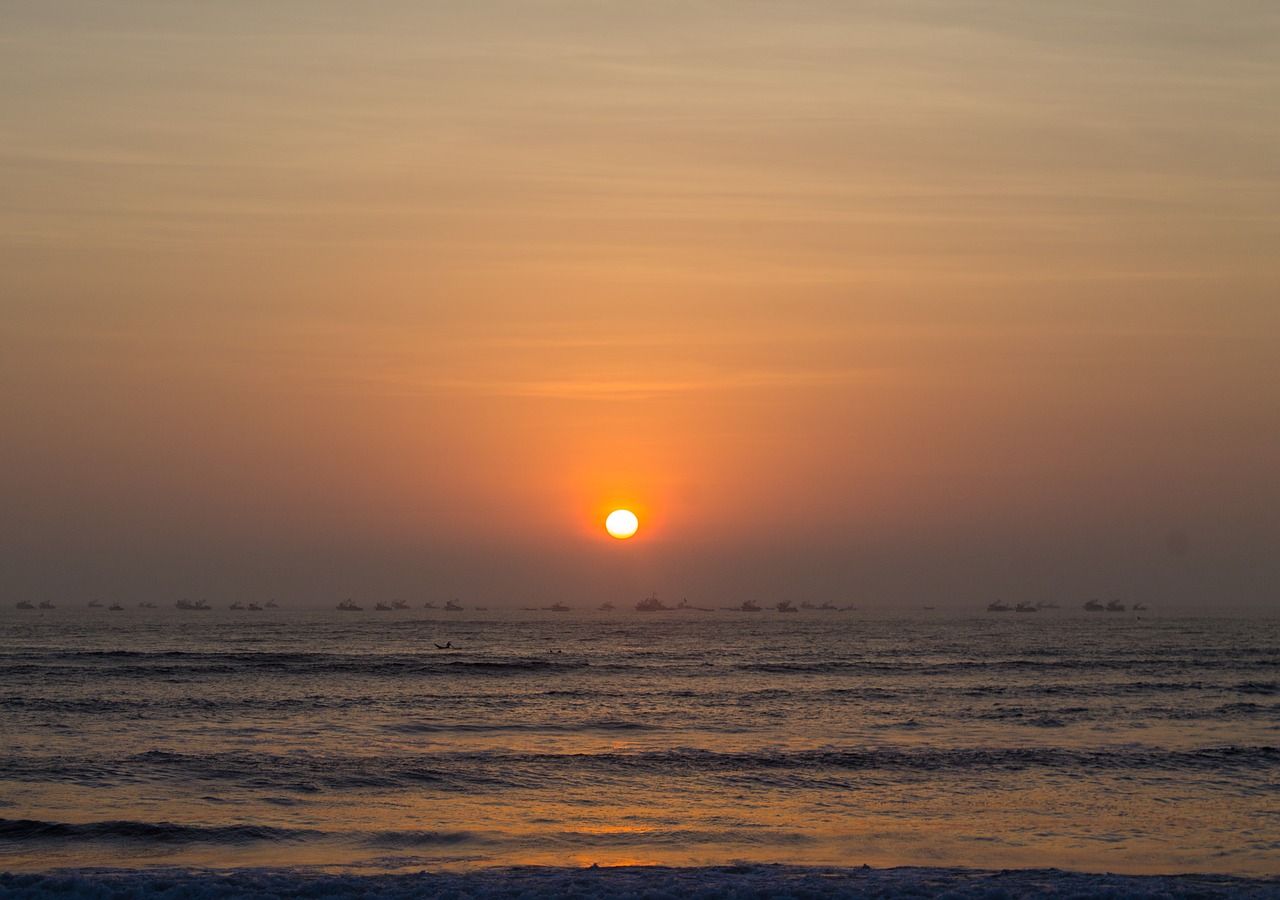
x=521, y=748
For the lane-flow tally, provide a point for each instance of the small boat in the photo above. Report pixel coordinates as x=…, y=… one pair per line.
x=651, y=604
x=1094, y=606
x=785, y=607
x=181, y=604
x=115, y=607
x=202, y=605
x=453, y=606
x=253, y=607
x=237, y=605
x=25, y=604
x=1137, y=607
x=746, y=606
x=399, y=604
x=48, y=604
x=829, y=607
x=95, y=604
x=381, y=607
x=429, y=605
x=605, y=606
x=349, y=605
x=146, y=604
x=1115, y=606
x=1025, y=607
x=998, y=606
x=557, y=607
x=271, y=604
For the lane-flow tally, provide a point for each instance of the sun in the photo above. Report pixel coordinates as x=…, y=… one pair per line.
x=621, y=523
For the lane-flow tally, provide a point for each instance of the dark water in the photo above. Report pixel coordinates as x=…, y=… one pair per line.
x=292, y=738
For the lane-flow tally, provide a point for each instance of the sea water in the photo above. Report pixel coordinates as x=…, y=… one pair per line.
x=349, y=742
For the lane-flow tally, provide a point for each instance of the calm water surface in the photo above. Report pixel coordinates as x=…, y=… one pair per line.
x=292, y=737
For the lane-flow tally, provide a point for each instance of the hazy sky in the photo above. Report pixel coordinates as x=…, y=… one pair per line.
x=901, y=302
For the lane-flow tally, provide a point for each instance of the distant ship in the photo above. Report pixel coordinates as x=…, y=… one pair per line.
x=785, y=607
x=349, y=606
x=1025, y=607
x=1115, y=606
x=557, y=607
x=453, y=606
x=381, y=607
x=25, y=604
x=94, y=604
x=651, y=604
x=998, y=606
x=146, y=604
x=48, y=604
x=271, y=604
x=236, y=605
x=429, y=605
x=1094, y=606
x=605, y=606
x=745, y=606
x=399, y=604
x=115, y=607
x=1137, y=607
x=253, y=607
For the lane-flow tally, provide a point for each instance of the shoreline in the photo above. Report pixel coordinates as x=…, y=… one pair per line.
x=689, y=883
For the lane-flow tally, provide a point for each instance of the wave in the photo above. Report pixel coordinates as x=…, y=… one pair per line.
x=690, y=883
x=27, y=830
x=497, y=771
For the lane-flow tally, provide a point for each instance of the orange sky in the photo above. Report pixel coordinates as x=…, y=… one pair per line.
x=875, y=304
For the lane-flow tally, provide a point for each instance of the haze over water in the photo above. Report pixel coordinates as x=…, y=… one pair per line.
x=911, y=301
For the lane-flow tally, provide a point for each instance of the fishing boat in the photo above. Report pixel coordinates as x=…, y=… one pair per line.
x=25, y=604
x=998, y=606
x=48, y=604
x=1115, y=606
x=1025, y=607
x=1094, y=606
x=557, y=607
x=785, y=607
x=349, y=605
x=651, y=604
x=453, y=606
x=381, y=607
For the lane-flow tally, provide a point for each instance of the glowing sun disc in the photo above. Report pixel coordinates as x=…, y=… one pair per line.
x=622, y=523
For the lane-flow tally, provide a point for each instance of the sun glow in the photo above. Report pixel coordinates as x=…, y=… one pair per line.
x=621, y=523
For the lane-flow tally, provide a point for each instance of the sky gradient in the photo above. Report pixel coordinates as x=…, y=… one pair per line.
x=923, y=302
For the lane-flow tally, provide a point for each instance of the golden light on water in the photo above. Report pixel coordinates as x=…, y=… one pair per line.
x=621, y=523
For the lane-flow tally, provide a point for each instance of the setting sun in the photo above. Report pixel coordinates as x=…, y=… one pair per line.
x=621, y=523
